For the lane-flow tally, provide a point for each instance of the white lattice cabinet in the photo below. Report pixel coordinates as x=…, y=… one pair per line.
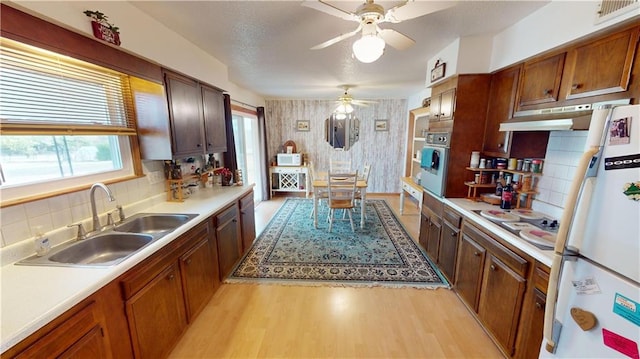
x=289, y=179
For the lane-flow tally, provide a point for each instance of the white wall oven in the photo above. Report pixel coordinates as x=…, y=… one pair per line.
x=433, y=162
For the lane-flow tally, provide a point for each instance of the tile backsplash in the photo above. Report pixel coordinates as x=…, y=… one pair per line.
x=18, y=223
x=563, y=153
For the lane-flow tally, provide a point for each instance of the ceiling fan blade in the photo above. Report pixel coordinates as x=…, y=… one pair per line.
x=413, y=9
x=337, y=39
x=396, y=39
x=330, y=9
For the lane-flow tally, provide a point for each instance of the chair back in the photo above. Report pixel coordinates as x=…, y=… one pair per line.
x=342, y=189
x=339, y=166
x=365, y=172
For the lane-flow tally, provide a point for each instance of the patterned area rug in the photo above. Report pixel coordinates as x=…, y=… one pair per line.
x=290, y=250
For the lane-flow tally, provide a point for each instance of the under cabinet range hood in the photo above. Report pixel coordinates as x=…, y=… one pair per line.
x=564, y=118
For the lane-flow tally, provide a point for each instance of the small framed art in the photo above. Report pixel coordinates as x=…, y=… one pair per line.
x=302, y=125
x=382, y=125
x=438, y=71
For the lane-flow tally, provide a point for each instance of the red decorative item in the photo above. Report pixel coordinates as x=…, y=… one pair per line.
x=103, y=32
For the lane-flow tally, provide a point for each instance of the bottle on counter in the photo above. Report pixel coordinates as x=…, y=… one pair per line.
x=507, y=194
x=41, y=242
x=500, y=184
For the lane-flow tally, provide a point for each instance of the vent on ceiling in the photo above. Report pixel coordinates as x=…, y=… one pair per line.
x=609, y=9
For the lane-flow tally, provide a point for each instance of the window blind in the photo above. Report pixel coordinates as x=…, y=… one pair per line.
x=42, y=92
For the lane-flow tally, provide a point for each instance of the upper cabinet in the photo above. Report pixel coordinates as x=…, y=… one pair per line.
x=442, y=105
x=197, y=116
x=601, y=67
x=500, y=108
x=540, y=81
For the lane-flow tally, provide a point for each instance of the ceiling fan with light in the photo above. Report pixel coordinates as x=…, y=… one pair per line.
x=346, y=102
x=368, y=15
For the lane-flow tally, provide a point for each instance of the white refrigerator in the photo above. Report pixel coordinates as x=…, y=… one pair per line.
x=593, y=299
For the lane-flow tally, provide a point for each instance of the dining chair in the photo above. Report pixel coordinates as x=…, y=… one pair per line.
x=339, y=165
x=342, y=192
x=365, y=176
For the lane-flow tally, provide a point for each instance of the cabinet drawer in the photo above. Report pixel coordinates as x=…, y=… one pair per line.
x=514, y=261
x=452, y=216
x=288, y=170
x=227, y=215
x=541, y=277
x=413, y=192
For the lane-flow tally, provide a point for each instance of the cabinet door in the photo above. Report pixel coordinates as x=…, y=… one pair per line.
x=214, y=121
x=185, y=113
x=447, y=104
x=433, y=241
x=501, y=302
x=469, y=270
x=534, y=327
x=156, y=315
x=504, y=85
x=248, y=221
x=601, y=67
x=425, y=221
x=89, y=346
x=448, y=250
x=198, y=277
x=540, y=81
x=229, y=241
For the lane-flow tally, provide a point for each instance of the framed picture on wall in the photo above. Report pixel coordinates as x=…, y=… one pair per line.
x=302, y=125
x=382, y=125
x=438, y=71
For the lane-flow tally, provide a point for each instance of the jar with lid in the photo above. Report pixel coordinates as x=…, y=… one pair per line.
x=526, y=166
x=536, y=166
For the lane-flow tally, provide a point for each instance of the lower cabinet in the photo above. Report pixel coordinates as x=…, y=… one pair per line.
x=530, y=338
x=448, y=248
x=490, y=278
x=248, y=221
x=229, y=241
x=157, y=314
x=199, y=277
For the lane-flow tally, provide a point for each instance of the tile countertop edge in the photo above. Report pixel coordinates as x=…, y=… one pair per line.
x=465, y=207
x=32, y=296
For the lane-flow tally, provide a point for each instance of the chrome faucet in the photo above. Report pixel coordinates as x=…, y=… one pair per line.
x=92, y=199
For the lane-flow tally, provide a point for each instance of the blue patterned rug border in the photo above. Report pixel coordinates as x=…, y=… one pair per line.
x=383, y=254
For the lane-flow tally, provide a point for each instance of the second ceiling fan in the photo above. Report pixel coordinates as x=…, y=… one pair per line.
x=368, y=15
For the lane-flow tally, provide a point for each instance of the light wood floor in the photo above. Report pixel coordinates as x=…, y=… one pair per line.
x=274, y=321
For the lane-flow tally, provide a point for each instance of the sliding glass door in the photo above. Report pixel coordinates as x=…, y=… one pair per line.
x=246, y=135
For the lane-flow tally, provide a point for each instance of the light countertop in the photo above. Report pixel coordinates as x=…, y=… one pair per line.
x=466, y=207
x=32, y=296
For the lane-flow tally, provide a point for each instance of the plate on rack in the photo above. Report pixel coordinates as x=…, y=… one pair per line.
x=499, y=215
x=527, y=213
x=538, y=236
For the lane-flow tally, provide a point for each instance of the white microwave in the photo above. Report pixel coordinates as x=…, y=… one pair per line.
x=289, y=159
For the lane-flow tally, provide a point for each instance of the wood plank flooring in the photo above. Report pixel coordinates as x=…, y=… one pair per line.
x=276, y=321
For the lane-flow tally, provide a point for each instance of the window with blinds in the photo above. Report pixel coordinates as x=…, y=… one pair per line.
x=61, y=118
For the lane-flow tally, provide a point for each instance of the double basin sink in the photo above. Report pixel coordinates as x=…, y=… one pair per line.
x=114, y=245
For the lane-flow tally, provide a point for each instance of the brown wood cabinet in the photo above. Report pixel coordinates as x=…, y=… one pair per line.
x=199, y=277
x=430, y=225
x=448, y=248
x=504, y=85
x=530, y=339
x=490, y=278
x=196, y=113
x=540, y=81
x=228, y=234
x=602, y=66
x=157, y=313
x=248, y=221
x=442, y=104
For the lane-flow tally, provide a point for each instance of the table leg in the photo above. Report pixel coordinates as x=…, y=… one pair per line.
x=363, y=207
x=315, y=209
x=401, y=199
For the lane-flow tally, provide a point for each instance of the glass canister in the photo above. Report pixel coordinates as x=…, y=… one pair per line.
x=526, y=166
x=536, y=166
x=475, y=159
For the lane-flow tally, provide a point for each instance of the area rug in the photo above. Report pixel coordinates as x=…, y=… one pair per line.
x=291, y=251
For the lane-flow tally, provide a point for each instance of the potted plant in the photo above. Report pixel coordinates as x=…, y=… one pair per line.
x=225, y=175
x=102, y=29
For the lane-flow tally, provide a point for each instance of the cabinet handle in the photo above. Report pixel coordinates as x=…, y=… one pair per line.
x=442, y=114
x=453, y=234
x=576, y=86
x=208, y=144
x=538, y=305
x=499, y=145
x=199, y=145
x=493, y=267
x=188, y=261
x=171, y=276
x=234, y=220
x=547, y=92
x=477, y=254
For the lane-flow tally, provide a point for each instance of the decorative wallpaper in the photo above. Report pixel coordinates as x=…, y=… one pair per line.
x=383, y=150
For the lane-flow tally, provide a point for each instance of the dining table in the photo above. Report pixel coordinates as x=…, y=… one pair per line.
x=321, y=183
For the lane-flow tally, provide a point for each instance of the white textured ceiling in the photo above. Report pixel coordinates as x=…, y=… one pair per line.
x=266, y=44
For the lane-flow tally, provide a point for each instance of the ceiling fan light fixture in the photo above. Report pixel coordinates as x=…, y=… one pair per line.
x=368, y=48
x=344, y=108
